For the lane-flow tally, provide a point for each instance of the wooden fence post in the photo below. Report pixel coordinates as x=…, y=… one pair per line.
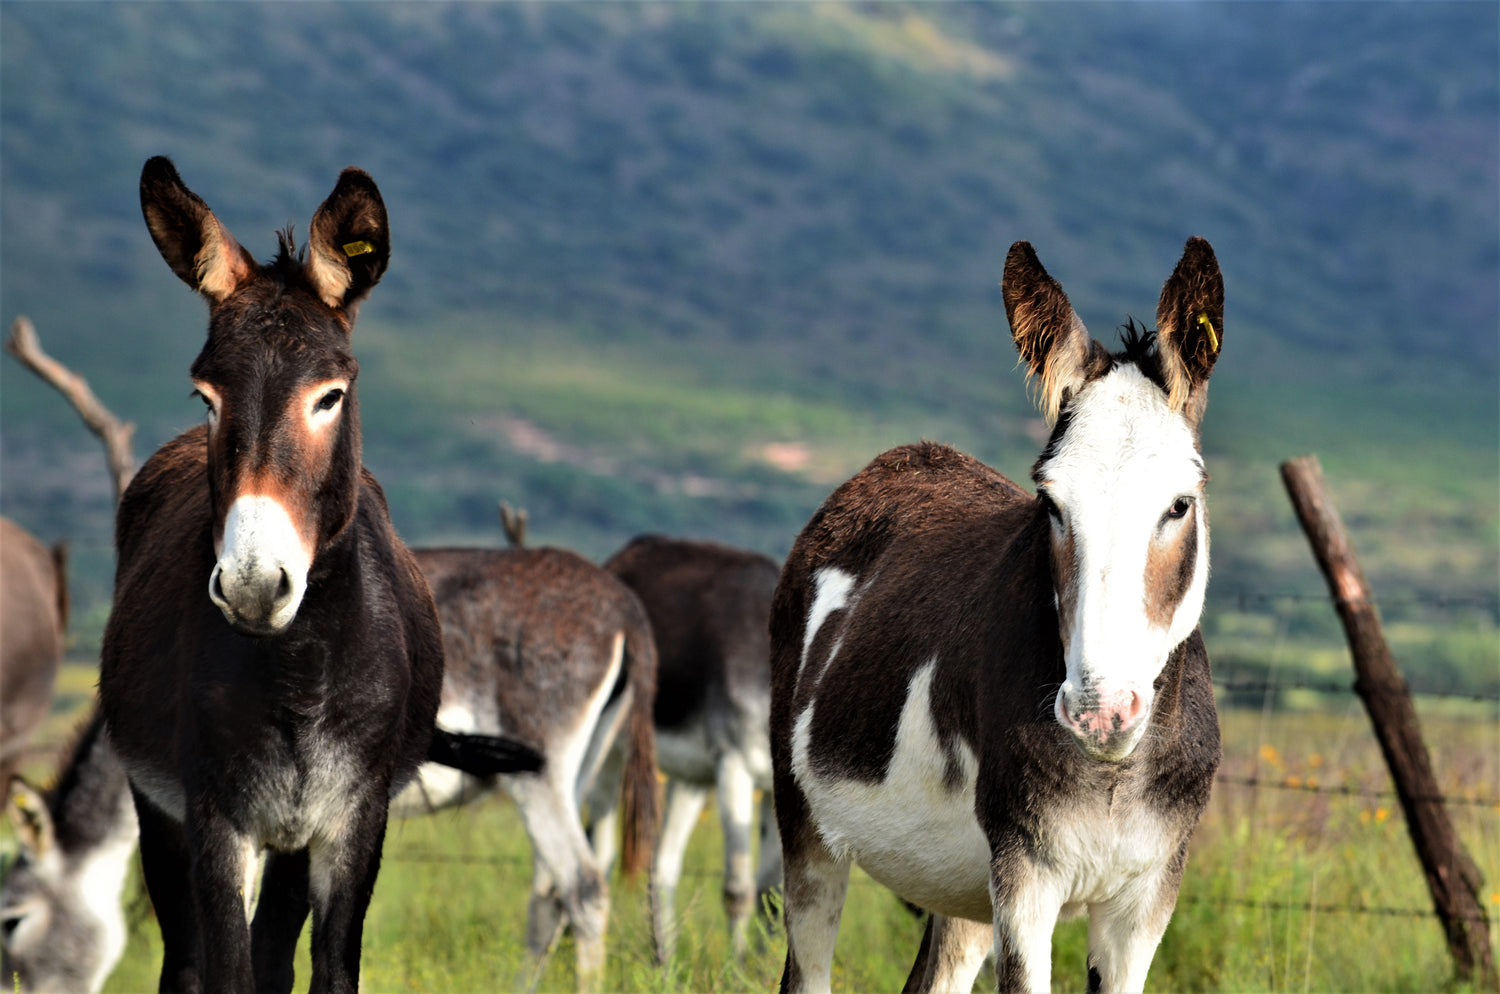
x=1452, y=876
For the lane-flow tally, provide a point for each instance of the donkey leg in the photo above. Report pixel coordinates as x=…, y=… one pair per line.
x=604, y=809
x=280, y=914
x=1124, y=932
x=1026, y=910
x=953, y=950
x=341, y=878
x=768, y=875
x=817, y=882
x=223, y=867
x=736, y=814
x=684, y=802
x=164, y=864
x=562, y=850
x=545, y=921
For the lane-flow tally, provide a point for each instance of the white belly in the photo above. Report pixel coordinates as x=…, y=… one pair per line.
x=913, y=832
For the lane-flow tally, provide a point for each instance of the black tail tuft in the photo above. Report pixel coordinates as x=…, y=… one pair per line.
x=482, y=755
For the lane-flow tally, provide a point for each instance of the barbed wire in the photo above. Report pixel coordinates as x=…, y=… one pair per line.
x=866, y=882
x=1347, y=791
x=1238, y=685
x=1244, y=598
x=1334, y=909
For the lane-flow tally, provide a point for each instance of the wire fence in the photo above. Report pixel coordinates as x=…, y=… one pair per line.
x=1227, y=686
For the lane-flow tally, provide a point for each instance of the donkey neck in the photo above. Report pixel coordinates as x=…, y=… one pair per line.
x=91, y=803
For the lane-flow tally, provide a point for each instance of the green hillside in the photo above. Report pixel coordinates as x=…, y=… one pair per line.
x=683, y=267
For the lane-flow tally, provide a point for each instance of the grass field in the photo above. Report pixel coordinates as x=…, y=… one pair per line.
x=1288, y=889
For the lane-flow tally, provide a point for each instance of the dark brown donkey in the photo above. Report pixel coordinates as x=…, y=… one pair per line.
x=272, y=662
x=709, y=606
x=1000, y=705
x=33, y=619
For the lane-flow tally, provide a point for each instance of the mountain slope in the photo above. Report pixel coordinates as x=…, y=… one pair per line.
x=637, y=245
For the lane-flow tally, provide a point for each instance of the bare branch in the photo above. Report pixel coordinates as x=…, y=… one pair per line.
x=114, y=433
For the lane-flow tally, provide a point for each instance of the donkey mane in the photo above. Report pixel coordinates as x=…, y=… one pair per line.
x=287, y=270
x=289, y=266
x=79, y=738
x=1139, y=343
x=75, y=783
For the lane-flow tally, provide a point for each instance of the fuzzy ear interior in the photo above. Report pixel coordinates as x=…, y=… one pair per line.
x=28, y=814
x=200, y=250
x=348, y=241
x=1049, y=336
x=1190, y=327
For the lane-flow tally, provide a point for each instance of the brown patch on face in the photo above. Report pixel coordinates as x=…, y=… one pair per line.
x=1170, y=565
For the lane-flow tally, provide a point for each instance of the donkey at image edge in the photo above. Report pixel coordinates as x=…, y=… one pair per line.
x=271, y=666
x=1000, y=704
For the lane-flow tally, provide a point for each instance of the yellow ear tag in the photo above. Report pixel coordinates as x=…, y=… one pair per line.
x=358, y=248
x=1208, y=326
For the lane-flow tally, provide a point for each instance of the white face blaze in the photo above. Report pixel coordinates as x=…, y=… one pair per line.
x=262, y=567
x=1130, y=553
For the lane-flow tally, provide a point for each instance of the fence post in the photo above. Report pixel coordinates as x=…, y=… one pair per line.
x=1452, y=876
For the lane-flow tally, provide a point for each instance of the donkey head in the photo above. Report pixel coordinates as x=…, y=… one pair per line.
x=277, y=375
x=1121, y=483
x=61, y=924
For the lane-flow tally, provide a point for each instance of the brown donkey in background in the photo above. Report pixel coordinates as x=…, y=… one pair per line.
x=709, y=606
x=544, y=646
x=271, y=665
x=33, y=622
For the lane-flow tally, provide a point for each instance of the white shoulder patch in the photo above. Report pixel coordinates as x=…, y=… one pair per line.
x=832, y=589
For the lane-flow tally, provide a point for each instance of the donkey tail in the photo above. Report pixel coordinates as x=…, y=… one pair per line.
x=640, y=806
x=482, y=755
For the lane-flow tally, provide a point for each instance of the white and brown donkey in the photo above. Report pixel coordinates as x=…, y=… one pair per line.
x=1000, y=705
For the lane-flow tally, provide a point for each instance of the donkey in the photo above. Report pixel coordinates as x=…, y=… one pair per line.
x=551, y=650
x=33, y=620
x=271, y=665
x=1000, y=705
x=709, y=606
x=63, y=927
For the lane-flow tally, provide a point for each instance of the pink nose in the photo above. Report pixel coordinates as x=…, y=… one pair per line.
x=1099, y=717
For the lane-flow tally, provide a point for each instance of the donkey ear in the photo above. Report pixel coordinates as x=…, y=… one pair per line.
x=200, y=250
x=1050, y=337
x=349, y=242
x=1190, y=327
x=28, y=814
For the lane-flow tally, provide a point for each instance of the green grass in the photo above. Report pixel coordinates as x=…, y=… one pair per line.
x=1268, y=902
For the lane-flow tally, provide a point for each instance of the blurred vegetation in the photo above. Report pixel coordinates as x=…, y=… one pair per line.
x=684, y=267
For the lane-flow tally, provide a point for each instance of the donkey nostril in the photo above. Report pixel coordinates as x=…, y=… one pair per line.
x=216, y=586
x=1137, y=705
x=284, y=588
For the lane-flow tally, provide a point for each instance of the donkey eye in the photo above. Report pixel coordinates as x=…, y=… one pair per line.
x=1052, y=509
x=329, y=400
x=1180, y=508
x=207, y=402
